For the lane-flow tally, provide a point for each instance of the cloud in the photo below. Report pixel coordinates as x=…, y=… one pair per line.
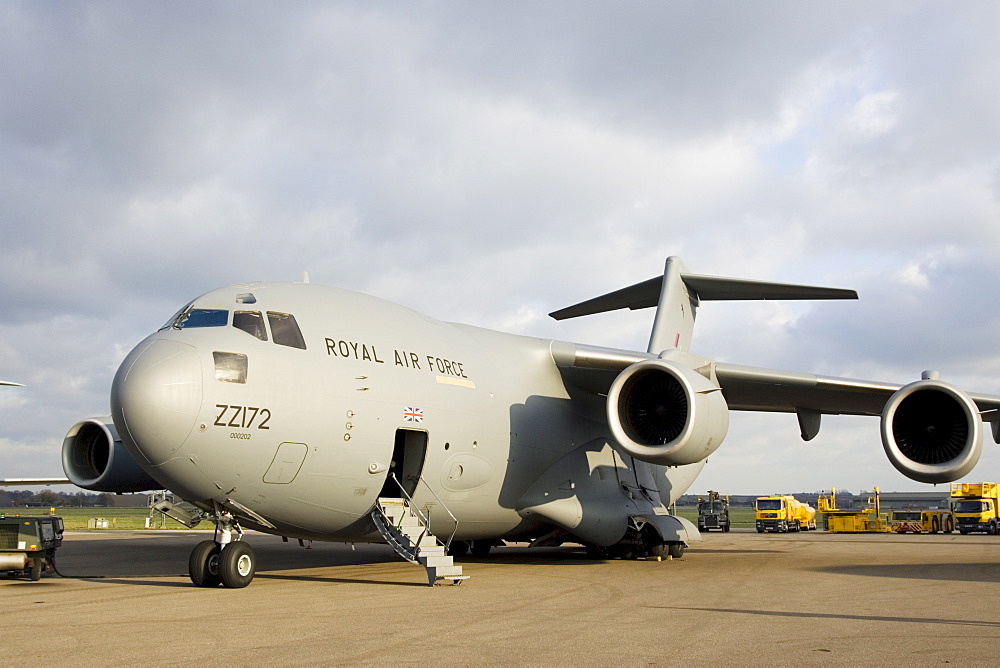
x=491, y=164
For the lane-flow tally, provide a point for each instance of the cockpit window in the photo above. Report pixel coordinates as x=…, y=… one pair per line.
x=285, y=330
x=202, y=317
x=251, y=322
x=175, y=317
x=230, y=367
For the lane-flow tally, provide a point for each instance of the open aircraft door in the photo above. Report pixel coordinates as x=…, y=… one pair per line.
x=407, y=463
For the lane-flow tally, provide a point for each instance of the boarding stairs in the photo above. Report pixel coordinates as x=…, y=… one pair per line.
x=407, y=531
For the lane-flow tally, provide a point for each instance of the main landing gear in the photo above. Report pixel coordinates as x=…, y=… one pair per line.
x=225, y=560
x=641, y=541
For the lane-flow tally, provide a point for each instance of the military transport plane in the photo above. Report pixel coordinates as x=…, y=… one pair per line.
x=318, y=413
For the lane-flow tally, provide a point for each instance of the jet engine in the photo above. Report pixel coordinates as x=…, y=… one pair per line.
x=665, y=413
x=94, y=458
x=932, y=431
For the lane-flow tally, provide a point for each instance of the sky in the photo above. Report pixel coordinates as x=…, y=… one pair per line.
x=489, y=163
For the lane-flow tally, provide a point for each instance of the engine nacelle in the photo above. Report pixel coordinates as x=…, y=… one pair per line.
x=665, y=413
x=94, y=458
x=932, y=431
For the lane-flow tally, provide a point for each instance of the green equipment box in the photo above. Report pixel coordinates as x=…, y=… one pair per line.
x=28, y=544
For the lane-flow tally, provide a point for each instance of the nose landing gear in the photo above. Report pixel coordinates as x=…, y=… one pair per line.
x=224, y=560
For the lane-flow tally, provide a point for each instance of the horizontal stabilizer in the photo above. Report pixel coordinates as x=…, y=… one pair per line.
x=703, y=288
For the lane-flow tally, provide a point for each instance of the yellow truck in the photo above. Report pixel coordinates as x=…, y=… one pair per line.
x=921, y=521
x=976, y=506
x=783, y=513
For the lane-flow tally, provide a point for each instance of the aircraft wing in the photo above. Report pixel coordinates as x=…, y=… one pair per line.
x=748, y=388
x=25, y=482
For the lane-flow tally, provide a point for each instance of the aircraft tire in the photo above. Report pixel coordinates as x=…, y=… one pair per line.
x=237, y=565
x=658, y=550
x=458, y=548
x=203, y=564
x=675, y=550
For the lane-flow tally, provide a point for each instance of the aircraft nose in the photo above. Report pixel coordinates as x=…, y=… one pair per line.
x=156, y=397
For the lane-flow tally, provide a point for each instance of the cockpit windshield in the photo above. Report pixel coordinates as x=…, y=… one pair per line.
x=202, y=317
x=251, y=322
x=285, y=330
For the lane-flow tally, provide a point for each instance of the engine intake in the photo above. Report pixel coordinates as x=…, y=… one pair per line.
x=665, y=413
x=931, y=431
x=94, y=458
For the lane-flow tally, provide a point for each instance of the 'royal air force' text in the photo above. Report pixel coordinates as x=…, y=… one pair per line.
x=402, y=358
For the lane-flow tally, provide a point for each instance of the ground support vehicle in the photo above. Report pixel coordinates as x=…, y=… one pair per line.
x=853, y=520
x=976, y=507
x=921, y=521
x=28, y=544
x=713, y=512
x=784, y=513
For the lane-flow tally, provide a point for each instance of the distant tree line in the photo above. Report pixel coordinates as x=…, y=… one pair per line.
x=46, y=498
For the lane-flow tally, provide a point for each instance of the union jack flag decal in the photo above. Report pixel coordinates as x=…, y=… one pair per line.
x=413, y=414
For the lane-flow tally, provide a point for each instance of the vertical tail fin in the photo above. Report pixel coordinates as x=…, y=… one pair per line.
x=675, y=311
x=677, y=295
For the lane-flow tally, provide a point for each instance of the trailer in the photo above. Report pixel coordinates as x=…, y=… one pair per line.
x=28, y=544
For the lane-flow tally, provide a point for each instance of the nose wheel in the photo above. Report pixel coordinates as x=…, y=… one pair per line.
x=231, y=563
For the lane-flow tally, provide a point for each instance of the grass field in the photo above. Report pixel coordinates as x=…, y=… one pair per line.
x=118, y=518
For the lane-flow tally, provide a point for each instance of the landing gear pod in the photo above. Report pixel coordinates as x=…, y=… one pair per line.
x=931, y=431
x=665, y=413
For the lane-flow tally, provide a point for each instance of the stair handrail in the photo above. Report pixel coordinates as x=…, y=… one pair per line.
x=425, y=518
x=413, y=507
x=454, y=519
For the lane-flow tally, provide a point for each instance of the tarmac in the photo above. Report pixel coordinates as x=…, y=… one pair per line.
x=738, y=598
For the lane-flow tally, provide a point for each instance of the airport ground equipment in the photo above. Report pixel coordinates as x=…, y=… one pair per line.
x=976, y=507
x=921, y=521
x=713, y=512
x=783, y=514
x=28, y=544
x=869, y=519
x=406, y=530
